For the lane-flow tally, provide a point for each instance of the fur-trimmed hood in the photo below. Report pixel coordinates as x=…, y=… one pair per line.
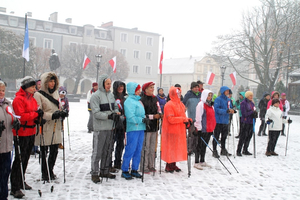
x=45, y=78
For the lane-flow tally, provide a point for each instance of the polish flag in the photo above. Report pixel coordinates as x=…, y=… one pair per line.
x=161, y=57
x=233, y=77
x=210, y=78
x=86, y=61
x=113, y=64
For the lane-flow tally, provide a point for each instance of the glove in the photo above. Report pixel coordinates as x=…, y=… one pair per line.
x=284, y=108
x=156, y=116
x=289, y=121
x=234, y=111
x=146, y=121
x=237, y=101
x=2, y=127
x=212, y=103
x=56, y=115
x=254, y=114
x=269, y=121
x=111, y=116
x=64, y=114
x=40, y=112
x=16, y=125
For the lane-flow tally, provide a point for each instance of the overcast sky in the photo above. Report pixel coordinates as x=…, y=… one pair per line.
x=189, y=27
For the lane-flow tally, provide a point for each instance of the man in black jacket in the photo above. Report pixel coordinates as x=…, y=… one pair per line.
x=263, y=103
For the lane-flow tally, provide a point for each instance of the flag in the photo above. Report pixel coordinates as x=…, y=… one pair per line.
x=113, y=64
x=161, y=57
x=210, y=78
x=25, y=53
x=86, y=61
x=233, y=77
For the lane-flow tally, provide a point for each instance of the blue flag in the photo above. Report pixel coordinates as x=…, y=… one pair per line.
x=25, y=53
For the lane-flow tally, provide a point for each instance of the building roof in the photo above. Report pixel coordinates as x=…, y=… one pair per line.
x=295, y=72
x=180, y=65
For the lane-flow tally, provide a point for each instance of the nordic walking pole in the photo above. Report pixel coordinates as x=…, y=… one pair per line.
x=287, y=138
x=64, y=158
x=145, y=139
x=218, y=158
x=20, y=157
x=233, y=135
x=254, y=145
x=160, y=148
x=69, y=133
x=226, y=154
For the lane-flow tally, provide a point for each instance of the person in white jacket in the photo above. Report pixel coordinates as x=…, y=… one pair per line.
x=274, y=121
x=89, y=95
x=286, y=108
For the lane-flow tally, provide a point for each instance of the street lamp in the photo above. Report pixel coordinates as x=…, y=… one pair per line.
x=98, y=58
x=223, y=68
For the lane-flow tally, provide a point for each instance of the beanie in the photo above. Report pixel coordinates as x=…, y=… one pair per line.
x=95, y=84
x=146, y=85
x=137, y=88
x=27, y=82
x=177, y=85
x=194, y=84
x=62, y=90
x=248, y=93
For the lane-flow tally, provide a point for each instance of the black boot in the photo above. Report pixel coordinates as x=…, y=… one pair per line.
x=224, y=152
x=215, y=154
x=238, y=153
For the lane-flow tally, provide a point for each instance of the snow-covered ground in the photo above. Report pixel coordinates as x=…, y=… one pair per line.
x=258, y=178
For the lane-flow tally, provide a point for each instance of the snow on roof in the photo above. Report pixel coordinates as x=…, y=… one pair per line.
x=179, y=65
x=295, y=73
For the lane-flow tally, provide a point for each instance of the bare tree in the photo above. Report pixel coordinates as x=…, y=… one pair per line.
x=41, y=64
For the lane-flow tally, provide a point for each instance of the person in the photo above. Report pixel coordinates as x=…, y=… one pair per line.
x=7, y=122
x=238, y=106
x=191, y=100
x=222, y=108
x=181, y=97
x=200, y=83
x=135, y=127
x=153, y=113
x=248, y=114
x=205, y=124
x=274, y=95
x=64, y=104
x=38, y=84
x=119, y=91
x=262, y=105
x=49, y=139
x=274, y=121
x=89, y=95
x=286, y=108
x=233, y=105
x=162, y=99
x=173, y=138
x=25, y=106
x=105, y=111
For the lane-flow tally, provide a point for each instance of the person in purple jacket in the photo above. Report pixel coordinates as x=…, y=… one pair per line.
x=248, y=114
x=162, y=99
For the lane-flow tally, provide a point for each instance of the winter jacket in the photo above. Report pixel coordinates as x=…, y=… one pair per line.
x=25, y=105
x=270, y=101
x=120, y=98
x=151, y=106
x=275, y=114
x=88, y=98
x=190, y=101
x=162, y=101
x=49, y=107
x=221, y=105
x=173, y=137
x=286, y=106
x=205, y=114
x=103, y=104
x=262, y=105
x=134, y=110
x=247, y=108
x=238, y=105
x=6, y=144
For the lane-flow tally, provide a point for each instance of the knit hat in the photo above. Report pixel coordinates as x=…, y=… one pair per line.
x=146, y=85
x=200, y=82
x=194, y=84
x=283, y=94
x=177, y=85
x=27, y=82
x=275, y=101
x=248, y=93
x=62, y=90
x=137, y=88
x=95, y=84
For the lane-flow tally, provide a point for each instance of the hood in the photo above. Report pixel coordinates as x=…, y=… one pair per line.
x=115, y=88
x=243, y=94
x=214, y=97
x=273, y=93
x=173, y=94
x=45, y=78
x=131, y=86
x=266, y=94
x=204, y=95
x=223, y=89
x=101, y=82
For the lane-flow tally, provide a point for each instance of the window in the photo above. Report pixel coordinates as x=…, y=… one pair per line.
x=137, y=39
x=13, y=21
x=123, y=37
x=73, y=46
x=32, y=41
x=136, y=54
x=149, y=41
x=135, y=69
x=148, y=70
x=89, y=32
x=47, y=26
x=73, y=30
x=148, y=55
x=102, y=35
x=31, y=24
x=123, y=52
x=47, y=43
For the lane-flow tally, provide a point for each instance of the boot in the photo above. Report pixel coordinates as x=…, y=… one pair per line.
x=95, y=178
x=27, y=187
x=134, y=173
x=174, y=167
x=224, y=152
x=238, y=153
x=264, y=134
x=273, y=153
x=60, y=146
x=169, y=168
x=126, y=175
x=109, y=175
x=17, y=194
x=268, y=153
x=247, y=153
x=215, y=154
x=259, y=134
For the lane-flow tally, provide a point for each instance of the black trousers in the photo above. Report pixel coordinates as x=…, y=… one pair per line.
x=273, y=137
x=26, y=143
x=221, y=129
x=245, y=137
x=201, y=147
x=4, y=174
x=262, y=127
x=53, y=151
x=119, y=139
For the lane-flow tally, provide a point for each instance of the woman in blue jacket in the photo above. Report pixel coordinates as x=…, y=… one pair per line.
x=135, y=127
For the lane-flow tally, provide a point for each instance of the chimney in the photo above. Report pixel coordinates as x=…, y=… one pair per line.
x=53, y=17
x=107, y=24
x=2, y=9
x=69, y=20
x=29, y=14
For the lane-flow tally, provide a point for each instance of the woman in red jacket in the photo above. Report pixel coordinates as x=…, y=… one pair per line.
x=26, y=107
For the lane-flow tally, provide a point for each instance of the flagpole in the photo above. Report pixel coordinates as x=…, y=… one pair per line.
x=23, y=47
x=161, y=60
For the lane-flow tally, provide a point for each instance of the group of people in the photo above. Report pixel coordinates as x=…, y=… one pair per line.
x=33, y=119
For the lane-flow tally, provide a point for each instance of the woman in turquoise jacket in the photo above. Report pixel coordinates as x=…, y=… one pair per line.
x=135, y=127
